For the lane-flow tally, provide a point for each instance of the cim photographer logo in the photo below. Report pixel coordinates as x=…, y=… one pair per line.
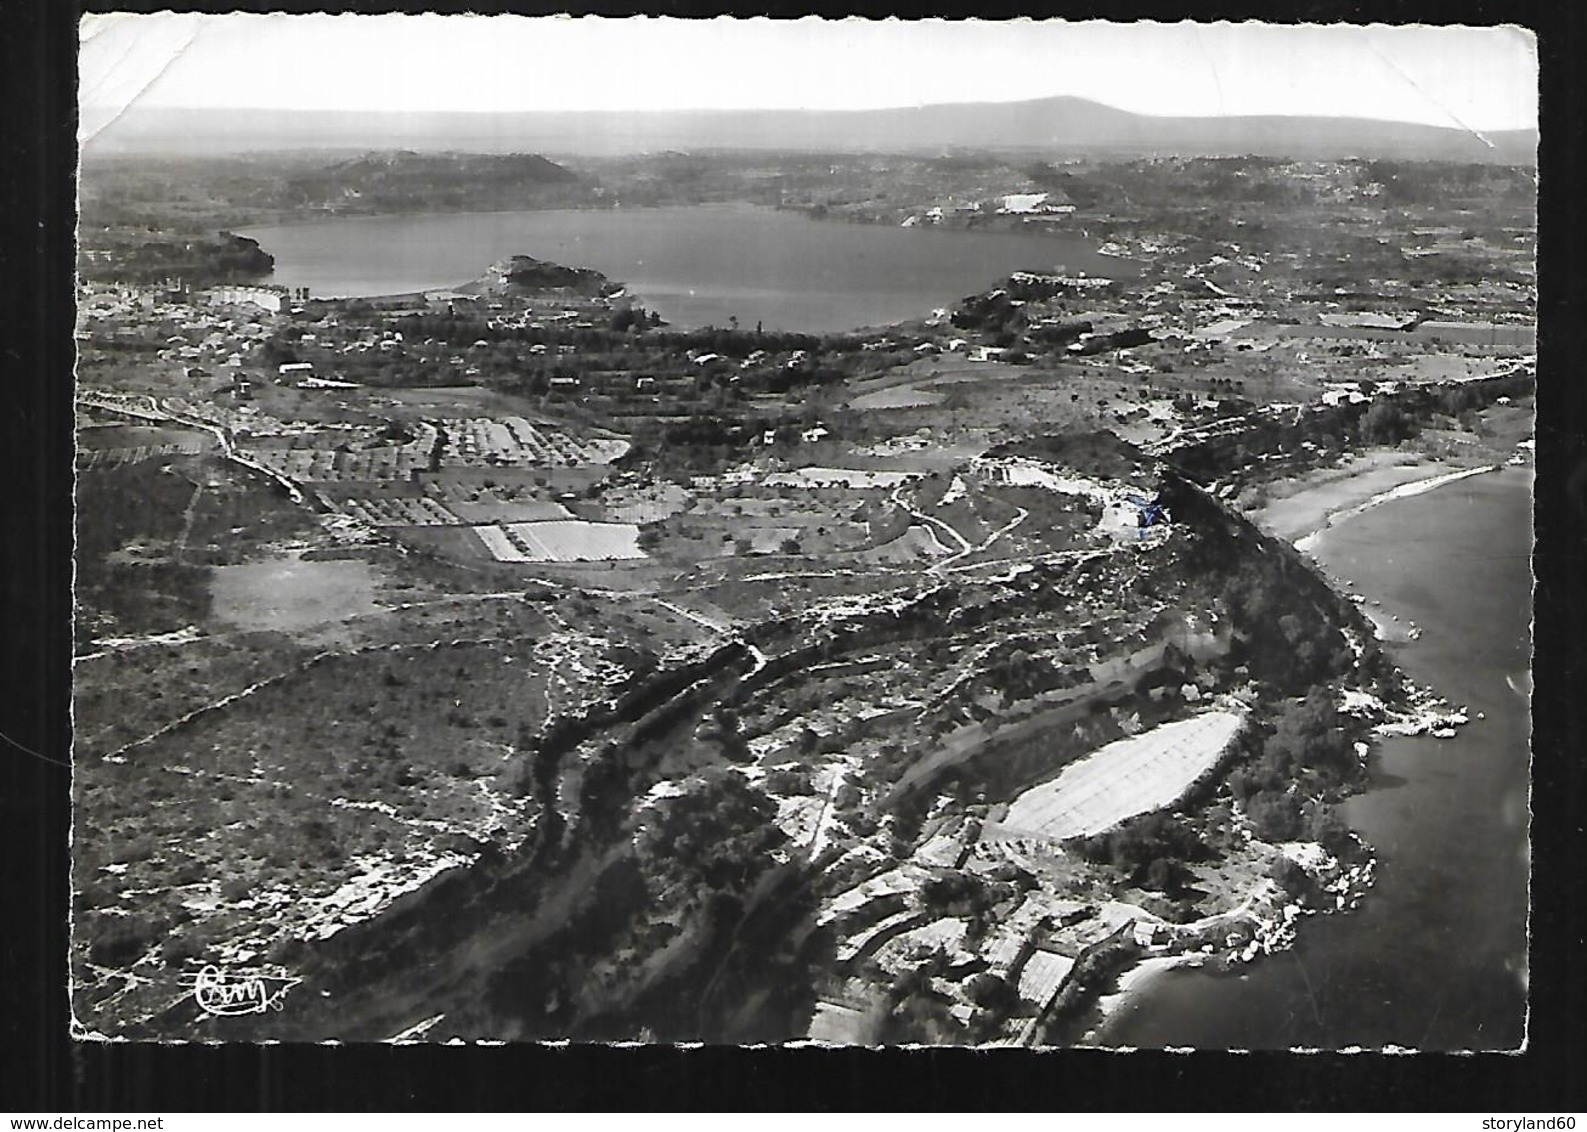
x=227, y=993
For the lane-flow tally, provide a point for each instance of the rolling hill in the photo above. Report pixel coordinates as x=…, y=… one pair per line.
x=1065, y=124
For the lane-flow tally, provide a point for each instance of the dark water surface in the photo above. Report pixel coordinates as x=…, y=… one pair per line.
x=1435, y=956
x=696, y=265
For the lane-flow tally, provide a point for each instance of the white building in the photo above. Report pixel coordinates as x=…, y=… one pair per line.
x=271, y=299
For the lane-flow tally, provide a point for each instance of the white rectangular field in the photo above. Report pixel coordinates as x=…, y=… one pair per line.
x=561, y=540
x=1132, y=776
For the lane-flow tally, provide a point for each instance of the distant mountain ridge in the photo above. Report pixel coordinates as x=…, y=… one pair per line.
x=1051, y=124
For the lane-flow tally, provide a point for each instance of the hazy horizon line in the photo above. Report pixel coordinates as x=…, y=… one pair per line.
x=856, y=110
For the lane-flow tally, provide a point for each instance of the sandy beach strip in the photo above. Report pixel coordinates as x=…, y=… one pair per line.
x=1403, y=491
x=1134, y=984
x=1315, y=500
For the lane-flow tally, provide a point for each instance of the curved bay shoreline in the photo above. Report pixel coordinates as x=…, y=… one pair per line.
x=1315, y=511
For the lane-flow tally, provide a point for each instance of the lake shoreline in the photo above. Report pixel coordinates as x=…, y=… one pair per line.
x=697, y=265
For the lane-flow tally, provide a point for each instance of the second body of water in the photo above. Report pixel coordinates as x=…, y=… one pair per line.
x=696, y=265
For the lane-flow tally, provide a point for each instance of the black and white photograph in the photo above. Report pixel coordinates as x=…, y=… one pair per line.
x=832, y=532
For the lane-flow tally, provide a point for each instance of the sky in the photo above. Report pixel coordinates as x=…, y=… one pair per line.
x=1469, y=78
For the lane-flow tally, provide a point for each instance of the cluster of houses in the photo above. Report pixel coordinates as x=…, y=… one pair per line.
x=198, y=330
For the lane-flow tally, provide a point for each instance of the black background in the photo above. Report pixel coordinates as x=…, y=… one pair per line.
x=42, y=1070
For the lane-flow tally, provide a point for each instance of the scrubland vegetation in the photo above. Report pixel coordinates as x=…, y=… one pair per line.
x=753, y=776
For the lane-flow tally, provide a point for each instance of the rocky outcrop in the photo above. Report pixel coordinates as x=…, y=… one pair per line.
x=525, y=275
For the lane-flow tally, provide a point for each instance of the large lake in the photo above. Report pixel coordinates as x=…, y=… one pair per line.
x=697, y=265
x=1435, y=956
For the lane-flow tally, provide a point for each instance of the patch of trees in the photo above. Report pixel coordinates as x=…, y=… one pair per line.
x=117, y=342
x=1095, y=968
x=460, y=328
x=530, y=274
x=720, y=727
x=1275, y=815
x=957, y=894
x=198, y=260
x=1440, y=182
x=407, y=182
x=914, y=1014
x=731, y=342
x=1294, y=881
x=1060, y=334
x=992, y=993
x=632, y=317
x=155, y=597
x=789, y=781
x=994, y=311
x=1097, y=453
x=717, y=839
x=119, y=940
x=1453, y=400
x=1385, y=423
x=136, y=501
x=606, y=357
x=1308, y=743
x=542, y=986
x=1290, y=638
x=1122, y=340
x=1308, y=739
x=1151, y=850
x=640, y=660
x=1309, y=734
x=277, y=351
x=696, y=442
x=1019, y=675
x=1457, y=268
x=1077, y=189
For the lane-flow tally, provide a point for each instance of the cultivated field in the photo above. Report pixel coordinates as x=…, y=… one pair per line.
x=515, y=442
x=1129, y=777
x=333, y=458
x=905, y=397
x=400, y=512
x=650, y=503
x=564, y=540
x=115, y=445
x=1043, y=972
x=366, y=454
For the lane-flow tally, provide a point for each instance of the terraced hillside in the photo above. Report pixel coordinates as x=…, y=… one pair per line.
x=850, y=736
